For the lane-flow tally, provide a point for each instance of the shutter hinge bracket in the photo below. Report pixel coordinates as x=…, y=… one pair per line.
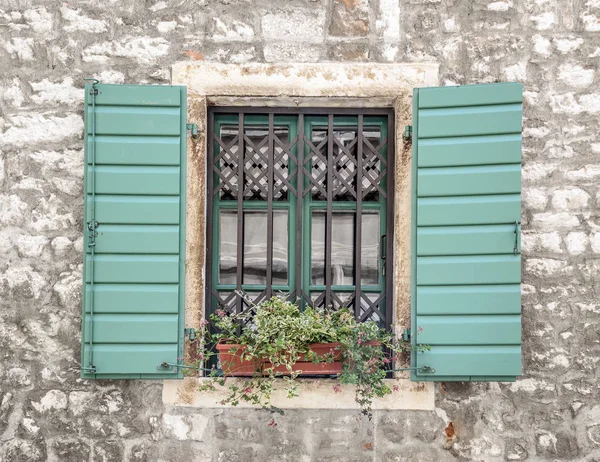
x=193, y=128
x=89, y=370
x=406, y=335
x=93, y=234
x=407, y=132
x=190, y=332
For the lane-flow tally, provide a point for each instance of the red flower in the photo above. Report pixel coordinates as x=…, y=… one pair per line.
x=272, y=423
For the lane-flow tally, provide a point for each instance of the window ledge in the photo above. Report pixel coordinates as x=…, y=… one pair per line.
x=313, y=394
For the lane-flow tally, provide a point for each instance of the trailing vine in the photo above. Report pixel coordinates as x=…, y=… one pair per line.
x=275, y=335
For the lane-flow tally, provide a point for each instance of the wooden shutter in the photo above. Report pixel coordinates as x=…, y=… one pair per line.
x=466, y=299
x=135, y=152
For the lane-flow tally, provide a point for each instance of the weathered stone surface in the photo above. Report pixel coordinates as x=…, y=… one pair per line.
x=47, y=48
x=350, y=18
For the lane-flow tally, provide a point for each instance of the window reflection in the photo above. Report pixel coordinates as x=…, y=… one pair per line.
x=255, y=248
x=343, y=237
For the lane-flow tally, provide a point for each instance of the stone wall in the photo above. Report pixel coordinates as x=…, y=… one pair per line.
x=47, y=48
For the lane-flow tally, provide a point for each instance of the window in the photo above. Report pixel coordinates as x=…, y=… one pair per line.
x=300, y=203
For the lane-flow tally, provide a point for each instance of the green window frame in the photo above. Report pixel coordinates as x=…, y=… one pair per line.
x=343, y=171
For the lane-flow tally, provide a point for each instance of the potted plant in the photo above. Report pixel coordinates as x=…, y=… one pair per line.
x=279, y=342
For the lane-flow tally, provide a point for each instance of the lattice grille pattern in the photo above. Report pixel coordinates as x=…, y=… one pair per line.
x=370, y=306
x=345, y=175
x=255, y=163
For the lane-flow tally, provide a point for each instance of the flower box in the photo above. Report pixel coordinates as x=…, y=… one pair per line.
x=232, y=364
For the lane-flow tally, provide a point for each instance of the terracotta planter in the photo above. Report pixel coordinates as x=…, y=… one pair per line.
x=233, y=365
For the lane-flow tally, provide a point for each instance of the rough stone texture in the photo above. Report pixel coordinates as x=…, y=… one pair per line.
x=46, y=48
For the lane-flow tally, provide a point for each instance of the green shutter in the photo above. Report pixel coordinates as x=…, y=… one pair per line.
x=133, y=297
x=466, y=297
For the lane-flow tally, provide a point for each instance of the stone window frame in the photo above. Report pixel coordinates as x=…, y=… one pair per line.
x=349, y=85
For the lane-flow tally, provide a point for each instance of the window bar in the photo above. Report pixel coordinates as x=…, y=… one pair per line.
x=300, y=195
x=270, y=186
x=209, y=213
x=389, y=183
x=358, y=232
x=240, y=212
x=329, y=219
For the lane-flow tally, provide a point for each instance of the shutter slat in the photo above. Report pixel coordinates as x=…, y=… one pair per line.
x=468, y=210
x=470, y=330
x=138, y=239
x=466, y=240
x=472, y=150
x=467, y=203
x=470, y=121
x=464, y=362
x=136, y=194
x=157, y=210
x=471, y=269
x=463, y=181
x=138, y=95
x=134, y=298
x=137, y=328
x=136, y=180
x=126, y=360
x=122, y=120
x=474, y=299
x=136, y=150
x=470, y=95
x=136, y=268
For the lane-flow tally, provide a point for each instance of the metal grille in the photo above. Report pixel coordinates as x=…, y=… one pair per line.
x=299, y=203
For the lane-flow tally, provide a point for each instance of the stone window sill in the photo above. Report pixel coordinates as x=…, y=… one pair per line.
x=313, y=394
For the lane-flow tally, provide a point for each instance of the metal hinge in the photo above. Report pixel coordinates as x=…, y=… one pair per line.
x=93, y=234
x=190, y=332
x=407, y=132
x=406, y=335
x=89, y=370
x=193, y=128
x=517, y=234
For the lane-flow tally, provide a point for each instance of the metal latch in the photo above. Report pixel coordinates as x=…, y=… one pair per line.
x=407, y=132
x=193, y=128
x=190, y=332
x=516, y=249
x=406, y=335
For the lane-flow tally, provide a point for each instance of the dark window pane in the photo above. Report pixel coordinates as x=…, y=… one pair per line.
x=342, y=248
x=369, y=254
x=318, y=248
x=228, y=247
x=255, y=248
x=280, y=248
